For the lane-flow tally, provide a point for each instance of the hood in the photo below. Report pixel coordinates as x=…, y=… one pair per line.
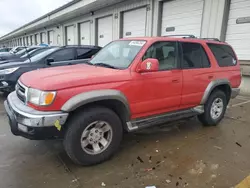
x=72, y=76
x=7, y=64
x=13, y=60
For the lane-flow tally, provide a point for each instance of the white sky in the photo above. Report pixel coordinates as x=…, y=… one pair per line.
x=15, y=13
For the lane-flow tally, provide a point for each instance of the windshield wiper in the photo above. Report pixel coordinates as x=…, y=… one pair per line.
x=105, y=65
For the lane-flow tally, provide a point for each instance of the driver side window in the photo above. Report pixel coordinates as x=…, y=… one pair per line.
x=165, y=52
x=63, y=55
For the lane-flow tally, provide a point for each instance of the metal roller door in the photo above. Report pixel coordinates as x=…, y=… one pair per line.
x=27, y=41
x=134, y=23
x=43, y=38
x=238, y=28
x=37, y=39
x=84, y=33
x=51, y=37
x=104, y=30
x=182, y=17
x=31, y=40
x=70, y=37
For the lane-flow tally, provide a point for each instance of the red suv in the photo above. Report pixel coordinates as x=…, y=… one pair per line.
x=129, y=85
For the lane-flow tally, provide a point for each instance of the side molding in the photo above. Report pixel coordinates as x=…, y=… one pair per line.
x=211, y=86
x=94, y=96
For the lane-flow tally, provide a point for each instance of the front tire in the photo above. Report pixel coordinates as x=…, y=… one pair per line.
x=214, y=109
x=93, y=135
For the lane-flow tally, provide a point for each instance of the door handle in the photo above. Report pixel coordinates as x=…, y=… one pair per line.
x=175, y=81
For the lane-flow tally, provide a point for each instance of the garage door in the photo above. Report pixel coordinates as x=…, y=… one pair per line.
x=105, y=30
x=182, y=17
x=84, y=33
x=31, y=40
x=134, y=23
x=238, y=29
x=43, y=38
x=70, y=37
x=37, y=39
x=27, y=41
x=24, y=41
x=51, y=37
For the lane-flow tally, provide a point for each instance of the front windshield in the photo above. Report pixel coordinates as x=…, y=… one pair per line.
x=118, y=54
x=41, y=55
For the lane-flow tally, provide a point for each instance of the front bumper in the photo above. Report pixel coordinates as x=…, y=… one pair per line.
x=32, y=124
x=235, y=92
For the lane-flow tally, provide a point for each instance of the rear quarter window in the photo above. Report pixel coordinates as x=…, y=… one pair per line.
x=224, y=54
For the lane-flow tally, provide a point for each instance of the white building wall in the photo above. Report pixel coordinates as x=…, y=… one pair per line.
x=213, y=15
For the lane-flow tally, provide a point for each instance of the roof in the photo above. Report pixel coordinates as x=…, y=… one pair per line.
x=172, y=38
x=82, y=46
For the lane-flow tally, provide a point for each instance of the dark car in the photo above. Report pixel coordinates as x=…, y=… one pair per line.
x=26, y=55
x=56, y=56
x=9, y=56
x=5, y=49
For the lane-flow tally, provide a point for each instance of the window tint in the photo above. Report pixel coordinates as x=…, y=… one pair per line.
x=194, y=56
x=63, y=55
x=165, y=52
x=223, y=54
x=85, y=53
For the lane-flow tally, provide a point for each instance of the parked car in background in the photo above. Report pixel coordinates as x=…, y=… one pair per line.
x=129, y=85
x=17, y=49
x=26, y=56
x=52, y=57
x=5, y=49
x=9, y=56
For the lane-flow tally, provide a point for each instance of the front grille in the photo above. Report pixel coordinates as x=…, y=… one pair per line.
x=21, y=92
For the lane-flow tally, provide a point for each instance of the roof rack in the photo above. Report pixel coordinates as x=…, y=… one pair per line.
x=183, y=36
x=214, y=39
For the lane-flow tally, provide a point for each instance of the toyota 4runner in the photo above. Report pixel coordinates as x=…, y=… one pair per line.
x=129, y=85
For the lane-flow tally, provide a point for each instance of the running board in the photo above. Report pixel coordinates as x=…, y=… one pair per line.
x=163, y=118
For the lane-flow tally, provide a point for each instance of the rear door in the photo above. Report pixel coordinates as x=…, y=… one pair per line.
x=197, y=73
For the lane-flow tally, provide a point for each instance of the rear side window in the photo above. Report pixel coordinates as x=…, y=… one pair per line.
x=224, y=54
x=194, y=56
x=85, y=53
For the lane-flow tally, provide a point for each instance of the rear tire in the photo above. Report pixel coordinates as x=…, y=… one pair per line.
x=214, y=109
x=93, y=135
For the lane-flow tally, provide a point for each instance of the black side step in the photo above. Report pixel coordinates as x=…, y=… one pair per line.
x=163, y=118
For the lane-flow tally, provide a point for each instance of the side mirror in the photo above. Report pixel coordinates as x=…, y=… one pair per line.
x=148, y=65
x=49, y=61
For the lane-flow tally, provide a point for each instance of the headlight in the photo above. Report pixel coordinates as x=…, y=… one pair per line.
x=8, y=71
x=41, y=98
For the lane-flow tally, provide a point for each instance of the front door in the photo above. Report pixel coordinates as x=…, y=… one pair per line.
x=160, y=92
x=61, y=57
